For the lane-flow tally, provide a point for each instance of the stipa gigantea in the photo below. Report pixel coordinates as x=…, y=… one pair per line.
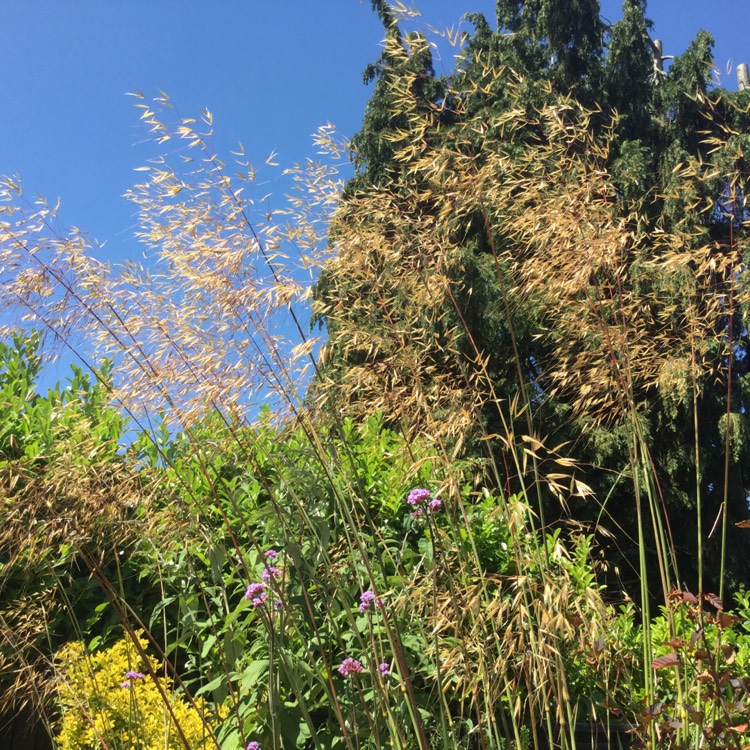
x=398, y=290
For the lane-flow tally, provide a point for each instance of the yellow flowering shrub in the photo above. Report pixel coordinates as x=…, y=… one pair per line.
x=109, y=699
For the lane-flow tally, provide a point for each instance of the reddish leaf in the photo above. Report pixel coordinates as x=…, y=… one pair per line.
x=697, y=634
x=728, y=652
x=670, y=660
x=714, y=601
x=726, y=620
x=694, y=714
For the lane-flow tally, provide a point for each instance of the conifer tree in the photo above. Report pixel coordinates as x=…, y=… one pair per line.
x=664, y=154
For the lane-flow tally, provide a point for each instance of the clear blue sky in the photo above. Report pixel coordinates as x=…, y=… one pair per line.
x=271, y=71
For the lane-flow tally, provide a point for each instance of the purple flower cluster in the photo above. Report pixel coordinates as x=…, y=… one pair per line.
x=367, y=599
x=270, y=572
x=253, y=745
x=385, y=669
x=350, y=666
x=130, y=676
x=417, y=496
x=256, y=593
x=420, y=498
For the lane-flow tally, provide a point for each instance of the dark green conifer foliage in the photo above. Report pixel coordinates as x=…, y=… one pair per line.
x=630, y=70
x=561, y=39
x=372, y=152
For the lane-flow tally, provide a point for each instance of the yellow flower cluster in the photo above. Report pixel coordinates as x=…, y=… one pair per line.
x=110, y=699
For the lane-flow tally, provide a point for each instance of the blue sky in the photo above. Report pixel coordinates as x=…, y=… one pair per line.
x=271, y=71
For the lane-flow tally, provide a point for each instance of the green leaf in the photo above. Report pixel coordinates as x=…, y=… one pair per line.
x=215, y=684
x=253, y=674
x=208, y=645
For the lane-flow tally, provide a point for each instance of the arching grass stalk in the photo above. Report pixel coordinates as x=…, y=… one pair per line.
x=698, y=474
x=730, y=360
x=645, y=595
x=446, y=723
x=683, y=677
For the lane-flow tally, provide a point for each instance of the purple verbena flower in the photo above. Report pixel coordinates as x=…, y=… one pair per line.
x=417, y=496
x=125, y=684
x=365, y=600
x=350, y=666
x=254, y=590
x=270, y=572
x=385, y=669
x=417, y=513
x=435, y=504
x=134, y=676
x=368, y=598
x=253, y=745
x=259, y=601
x=270, y=554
